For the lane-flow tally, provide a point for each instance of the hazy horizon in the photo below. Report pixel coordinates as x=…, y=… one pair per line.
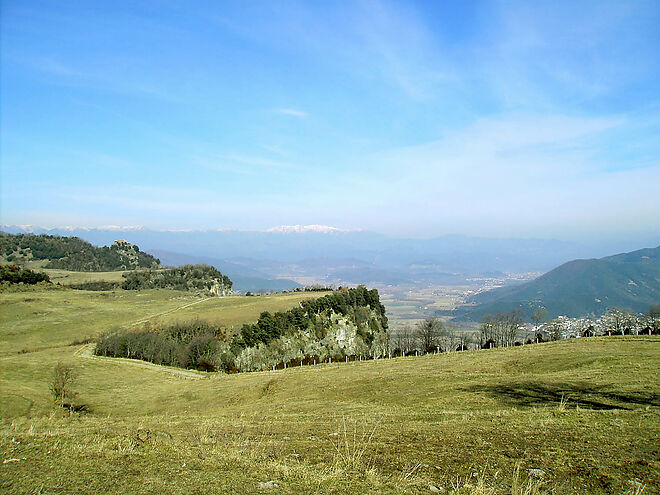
x=630, y=242
x=416, y=119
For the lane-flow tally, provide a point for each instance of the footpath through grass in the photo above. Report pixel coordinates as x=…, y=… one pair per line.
x=579, y=416
x=34, y=320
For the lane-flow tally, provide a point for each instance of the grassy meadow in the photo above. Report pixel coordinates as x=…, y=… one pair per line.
x=578, y=416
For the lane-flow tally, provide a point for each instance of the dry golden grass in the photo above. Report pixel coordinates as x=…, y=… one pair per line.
x=579, y=416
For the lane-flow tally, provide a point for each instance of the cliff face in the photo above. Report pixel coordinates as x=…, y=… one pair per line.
x=129, y=255
x=219, y=289
x=332, y=336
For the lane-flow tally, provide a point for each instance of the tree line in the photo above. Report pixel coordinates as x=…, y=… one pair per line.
x=190, y=345
x=506, y=329
x=431, y=335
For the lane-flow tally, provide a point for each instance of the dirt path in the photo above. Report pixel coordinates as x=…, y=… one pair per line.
x=87, y=351
x=170, y=311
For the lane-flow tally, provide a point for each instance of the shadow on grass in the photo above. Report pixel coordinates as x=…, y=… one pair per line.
x=584, y=395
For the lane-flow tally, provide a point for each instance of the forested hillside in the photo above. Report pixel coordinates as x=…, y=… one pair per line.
x=196, y=278
x=73, y=253
x=349, y=322
x=580, y=287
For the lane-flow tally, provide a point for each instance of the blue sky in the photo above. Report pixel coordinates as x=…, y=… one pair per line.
x=534, y=119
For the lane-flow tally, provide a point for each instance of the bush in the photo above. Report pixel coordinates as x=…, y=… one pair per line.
x=14, y=274
x=95, y=285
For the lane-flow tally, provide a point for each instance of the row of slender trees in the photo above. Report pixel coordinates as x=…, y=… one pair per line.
x=429, y=336
x=509, y=329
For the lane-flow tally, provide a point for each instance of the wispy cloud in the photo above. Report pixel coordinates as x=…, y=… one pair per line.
x=505, y=116
x=512, y=175
x=292, y=112
x=116, y=80
x=242, y=164
x=368, y=41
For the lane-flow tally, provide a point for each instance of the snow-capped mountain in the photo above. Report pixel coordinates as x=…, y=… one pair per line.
x=301, y=229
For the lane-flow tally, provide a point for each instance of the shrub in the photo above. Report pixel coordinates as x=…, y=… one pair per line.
x=14, y=274
x=95, y=285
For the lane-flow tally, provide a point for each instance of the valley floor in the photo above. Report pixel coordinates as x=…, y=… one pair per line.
x=577, y=416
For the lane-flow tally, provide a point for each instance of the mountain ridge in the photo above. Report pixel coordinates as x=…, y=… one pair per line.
x=579, y=287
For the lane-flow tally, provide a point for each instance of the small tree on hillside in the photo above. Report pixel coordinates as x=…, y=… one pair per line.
x=404, y=340
x=555, y=328
x=60, y=386
x=428, y=333
x=538, y=316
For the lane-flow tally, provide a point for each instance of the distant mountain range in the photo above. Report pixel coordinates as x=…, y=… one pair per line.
x=286, y=256
x=579, y=288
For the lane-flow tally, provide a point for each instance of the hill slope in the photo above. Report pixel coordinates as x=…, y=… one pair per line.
x=580, y=287
x=578, y=416
x=73, y=253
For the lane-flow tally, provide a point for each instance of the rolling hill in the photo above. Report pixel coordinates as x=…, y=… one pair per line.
x=579, y=287
x=73, y=253
x=572, y=417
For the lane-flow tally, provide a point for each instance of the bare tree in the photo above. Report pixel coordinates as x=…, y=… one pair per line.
x=60, y=386
x=538, y=316
x=465, y=339
x=404, y=340
x=450, y=338
x=428, y=333
x=501, y=329
x=554, y=328
x=620, y=321
x=487, y=331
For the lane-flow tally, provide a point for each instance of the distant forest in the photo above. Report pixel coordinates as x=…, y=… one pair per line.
x=195, y=278
x=73, y=253
x=349, y=322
